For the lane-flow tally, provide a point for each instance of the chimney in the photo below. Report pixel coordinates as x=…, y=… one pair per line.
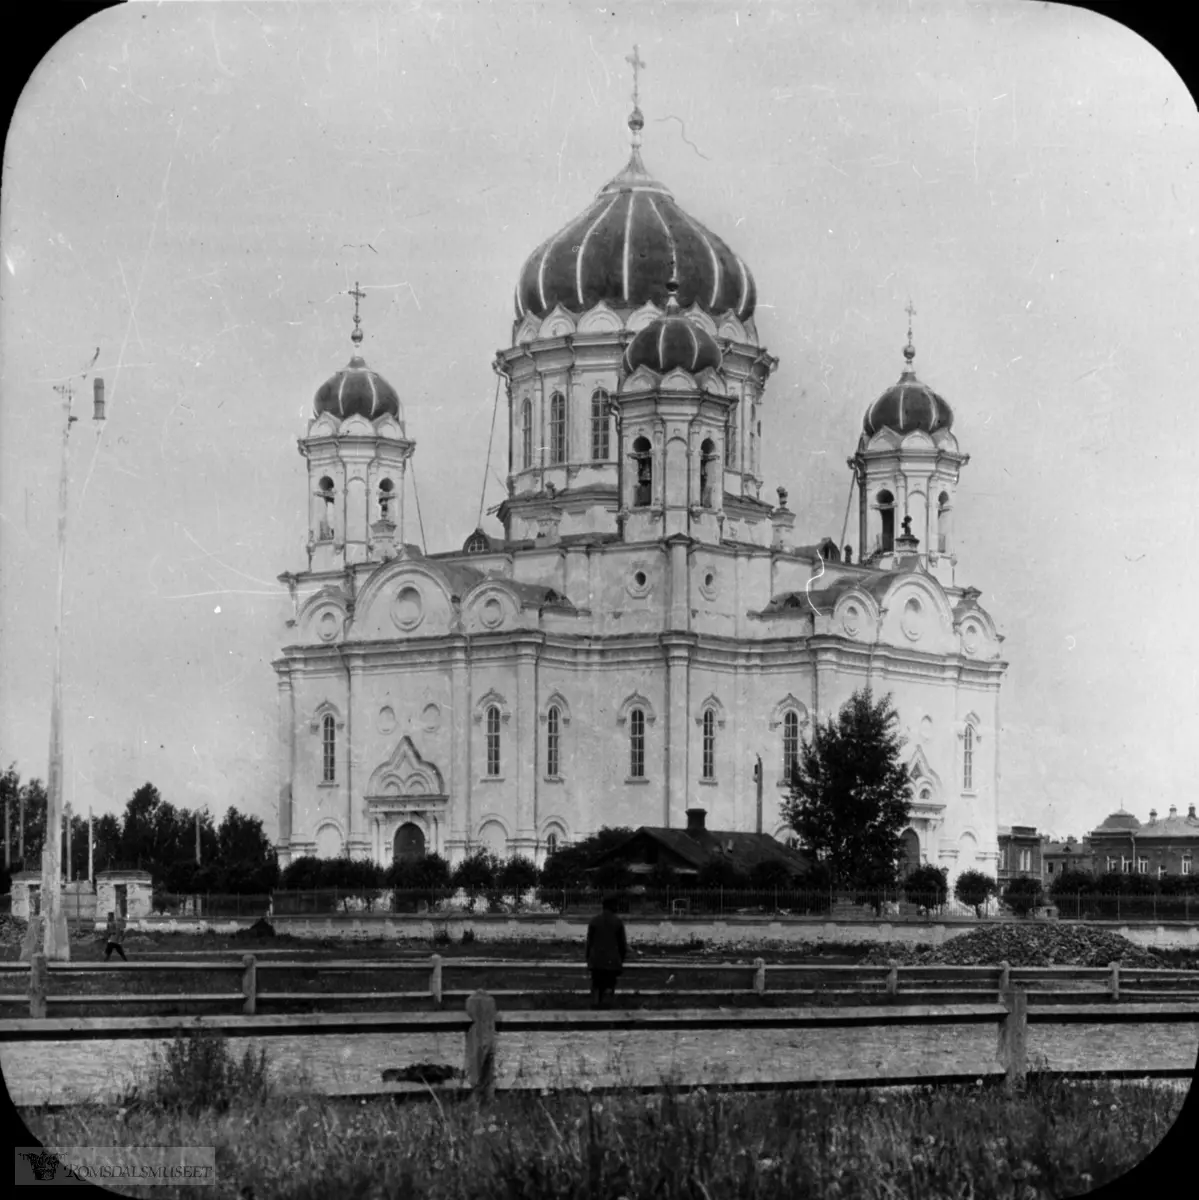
x=1191, y=813
x=1173, y=811
x=695, y=821
x=1153, y=816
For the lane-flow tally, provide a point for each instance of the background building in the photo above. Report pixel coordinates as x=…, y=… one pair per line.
x=1165, y=846
x=649, y=628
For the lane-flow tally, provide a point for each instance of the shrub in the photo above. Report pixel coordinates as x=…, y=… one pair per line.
x=198, y=1071
x=720, y=874
x=431, y=871
x=1070, y=883
x=518, y=875
x=1023, y=894
x=771, y=874
x=611, y=875
x=476, y=873
x=662, y=876
x=975, y=888
x=927, y=884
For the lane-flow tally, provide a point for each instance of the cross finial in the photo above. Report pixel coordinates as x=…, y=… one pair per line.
x=909, y=351
x=636, y=120
x=358, y=294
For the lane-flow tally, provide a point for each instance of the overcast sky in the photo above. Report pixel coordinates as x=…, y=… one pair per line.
x=192, y=188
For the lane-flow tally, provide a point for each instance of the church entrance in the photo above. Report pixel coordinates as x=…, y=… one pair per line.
x=409, y=843
x=910, y=854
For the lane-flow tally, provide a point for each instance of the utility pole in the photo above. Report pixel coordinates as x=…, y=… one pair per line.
x=56, y=941
x=197, y=837
x=90, y=876
x=69, y=872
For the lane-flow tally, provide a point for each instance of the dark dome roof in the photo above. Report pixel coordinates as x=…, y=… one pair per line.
x=622, y=249
x=908, y=406
x=1121, y=820
x=356, y=390
x=672, y=341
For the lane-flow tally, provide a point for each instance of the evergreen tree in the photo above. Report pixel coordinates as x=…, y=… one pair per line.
x=850, y=794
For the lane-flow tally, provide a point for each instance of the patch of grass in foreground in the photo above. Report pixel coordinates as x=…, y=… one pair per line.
x=1055, y=1139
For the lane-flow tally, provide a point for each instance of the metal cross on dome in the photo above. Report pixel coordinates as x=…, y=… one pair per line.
x=358, y=294
x=634, y=60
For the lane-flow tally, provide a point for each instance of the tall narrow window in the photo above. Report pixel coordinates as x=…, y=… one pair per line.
x=552, y=727
x=790, y=743
x=709, y=727
x=643, y=455
x=637, y=744
x=600, y=421
x=708, y=466
x=386, y=496
x=328, y=749
x=551, y=843
x=493, y=741
x=557, y=428
x=886, y=511
x=943, y=523
x=730, y=441
x=526, y=434
x=968, y=759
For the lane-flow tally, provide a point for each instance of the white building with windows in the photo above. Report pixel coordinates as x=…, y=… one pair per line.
x=647, y=636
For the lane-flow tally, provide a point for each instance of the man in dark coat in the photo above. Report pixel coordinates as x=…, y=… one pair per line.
x=607, y=948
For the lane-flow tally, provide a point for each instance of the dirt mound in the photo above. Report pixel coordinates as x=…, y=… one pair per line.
x=1024, y=946
x=261, y=928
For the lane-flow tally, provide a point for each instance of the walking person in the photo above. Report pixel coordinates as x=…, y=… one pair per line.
x=114, y=933
x=607, y=949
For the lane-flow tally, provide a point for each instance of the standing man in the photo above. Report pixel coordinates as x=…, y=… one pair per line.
x=606, y=951
x=113, y=934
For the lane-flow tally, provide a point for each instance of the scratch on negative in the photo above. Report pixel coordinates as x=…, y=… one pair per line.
x=683, y=135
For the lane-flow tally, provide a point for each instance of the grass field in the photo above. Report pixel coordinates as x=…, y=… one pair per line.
x=1052, y=1140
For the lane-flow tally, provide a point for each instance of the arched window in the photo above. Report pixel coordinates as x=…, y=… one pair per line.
x=553, y=721
x=551, y=843
x=557, y=428
x=599, y=425
x=968, y=759
x=943, y=523
x=708, y=470
x=709, y=738
x=643, y=454
x=493, y=741
x=730, y=441
x=328, y=749
x=637, y=744
x=886, y=510
x=526, y=434
x=386, y=496
x=790, y=743
x=325, y=492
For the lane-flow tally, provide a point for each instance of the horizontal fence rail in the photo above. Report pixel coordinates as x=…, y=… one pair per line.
x=255, y=983
x=925, y=1043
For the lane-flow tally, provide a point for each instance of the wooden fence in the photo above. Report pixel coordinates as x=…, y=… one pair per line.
x=525, y=982
x=911, y=1055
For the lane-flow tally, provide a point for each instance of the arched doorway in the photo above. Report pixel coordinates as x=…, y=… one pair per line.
x=409, y=843
x=909, y=852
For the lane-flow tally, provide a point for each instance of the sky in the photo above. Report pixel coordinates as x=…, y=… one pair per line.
x=191, y=189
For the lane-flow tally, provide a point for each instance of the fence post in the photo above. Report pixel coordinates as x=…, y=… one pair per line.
x=480, y=1046
x=893, y=980
x=1005, y=979
x=435, y=980
x=1013, y=1028
x=1115, y=983
x=249, y=984
x=760, y=976
x=39, y=980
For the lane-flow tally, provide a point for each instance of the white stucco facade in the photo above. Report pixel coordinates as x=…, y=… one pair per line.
x=647, y=627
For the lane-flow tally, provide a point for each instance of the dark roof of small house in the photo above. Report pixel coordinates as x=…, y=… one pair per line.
x=744, y=851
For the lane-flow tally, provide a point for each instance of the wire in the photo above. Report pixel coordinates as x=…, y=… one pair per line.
x=845, y=524
x=420, y=520
x=490, y=438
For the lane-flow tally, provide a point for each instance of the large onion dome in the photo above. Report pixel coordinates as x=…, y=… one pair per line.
x=622, y=248
x=908, y=406
x=672, y=341
x=357, y=391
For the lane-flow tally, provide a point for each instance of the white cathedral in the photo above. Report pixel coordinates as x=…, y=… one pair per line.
x=646, y=637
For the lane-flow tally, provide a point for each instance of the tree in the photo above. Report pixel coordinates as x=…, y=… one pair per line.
x=927, y=885
x=248, y=862
x=771, y=874
x=429, y=871
x=1071, y=883
x=974, y=888
x=1023, y=894
x=850, y=794
x=476, y=873
x=518, y=875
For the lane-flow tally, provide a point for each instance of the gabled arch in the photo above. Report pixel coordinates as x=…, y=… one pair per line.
x=921, y=773
x=787, y=704
x=554, y=822
x=326, y=425
x=710, y=380
x=924, y=587
x=327, y=596
x=711, y=704
x=555, y=698
x=599, y=319
x=392, y=572
x=641, y=380
x=406, y=773
x=356, y=426
x=477, y=604
x=697, y=316
x=636, y=700
x=917, y=440
x=486, y=701
x=326, y=708
x=731, y=328
x=558, y=322
x=642, y=317
x=389, y=427
x=973, y=720
x=528, y=330
x=678, y=380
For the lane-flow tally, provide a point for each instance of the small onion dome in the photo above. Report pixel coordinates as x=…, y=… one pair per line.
x=357, y=391
x=620, y=250
x=673, y=341
x=908, y=406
